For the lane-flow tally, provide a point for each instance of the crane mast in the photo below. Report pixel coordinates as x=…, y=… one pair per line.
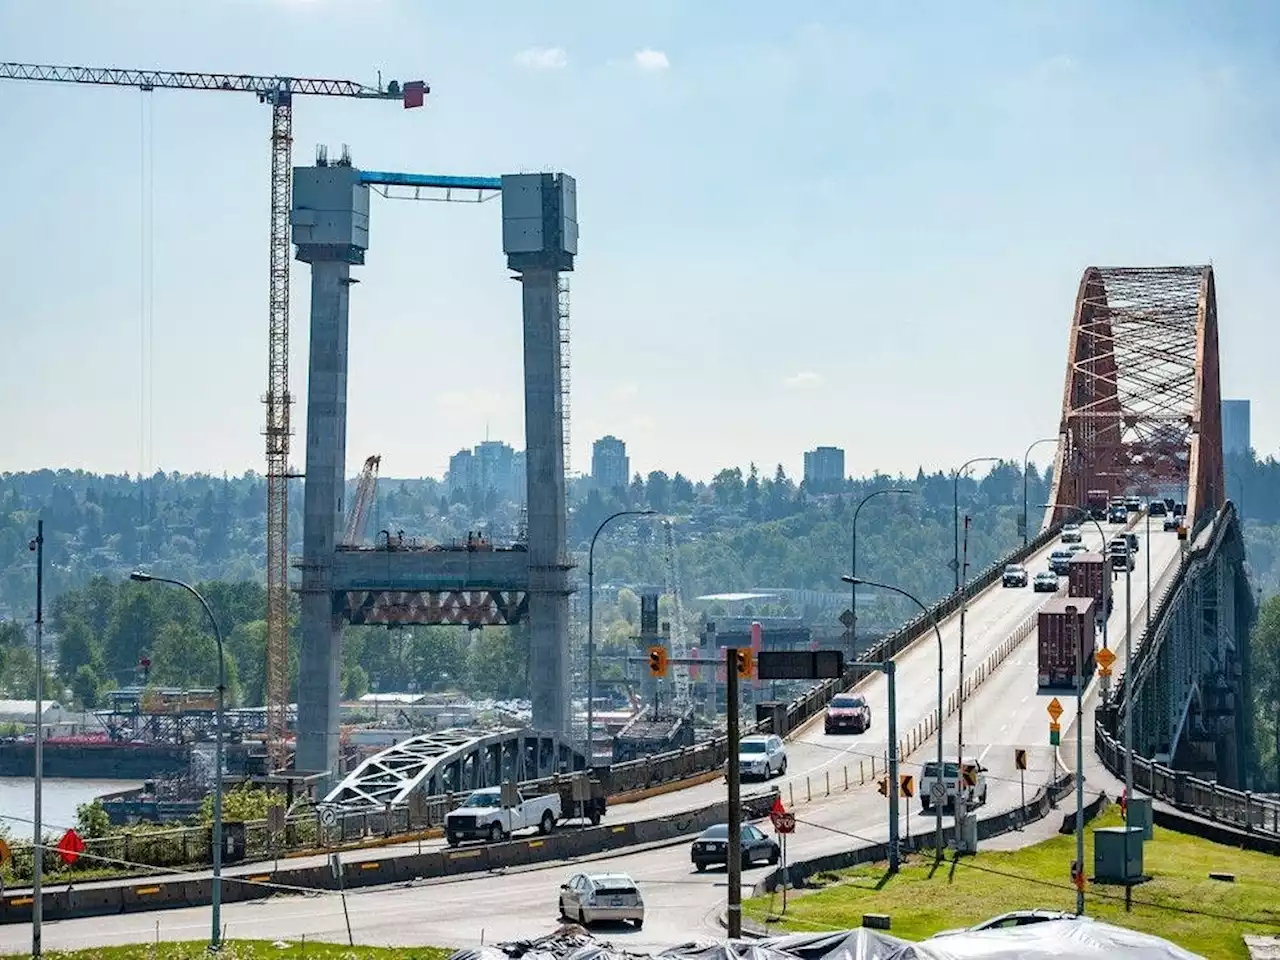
x=278, y=93
x=366, y=485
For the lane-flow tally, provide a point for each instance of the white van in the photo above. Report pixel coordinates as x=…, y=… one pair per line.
x=951, y=781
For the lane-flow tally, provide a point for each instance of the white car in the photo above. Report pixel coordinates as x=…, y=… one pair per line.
x=762, y=756
x=590, y=897
x=1071, y=533
x=973, y=795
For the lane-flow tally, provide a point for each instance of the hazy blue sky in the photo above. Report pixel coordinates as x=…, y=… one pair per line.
x=841, y=223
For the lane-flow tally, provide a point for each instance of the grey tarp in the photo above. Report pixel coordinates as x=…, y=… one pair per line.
x=1072, y=939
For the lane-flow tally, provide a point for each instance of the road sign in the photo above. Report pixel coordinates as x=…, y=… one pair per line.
x=970, y=773
x=785, y=823
x=1105, y=659
x=1020, y=759
x=1055, y=709
x=846, y=619
x=798, y=664
x=328, y=816
x=908, y=785
x=938, y=792
x=70, y=847
x=1055, y=734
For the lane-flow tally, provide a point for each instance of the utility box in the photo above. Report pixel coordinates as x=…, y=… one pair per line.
x=967, y=834
x=539, y=221
x=775, y=711
x=330, y=215
x=1140, y=816
x=1117, y=854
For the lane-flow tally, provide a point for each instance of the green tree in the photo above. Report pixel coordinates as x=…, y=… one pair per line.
x=1265, y=661
x=77, y=647
x=87, y=686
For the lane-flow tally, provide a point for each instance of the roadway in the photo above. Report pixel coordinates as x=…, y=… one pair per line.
x=682, y=904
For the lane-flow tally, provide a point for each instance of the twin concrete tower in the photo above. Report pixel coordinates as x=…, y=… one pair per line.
x=398, y=585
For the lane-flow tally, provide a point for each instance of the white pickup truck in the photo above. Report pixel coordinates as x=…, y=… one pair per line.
x=483, y=817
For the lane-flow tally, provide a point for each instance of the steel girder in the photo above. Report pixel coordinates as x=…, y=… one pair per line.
x=1141, y=406
x=1189, y=705
x=451, y=761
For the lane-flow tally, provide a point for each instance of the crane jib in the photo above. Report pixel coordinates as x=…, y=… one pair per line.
x=411, y=92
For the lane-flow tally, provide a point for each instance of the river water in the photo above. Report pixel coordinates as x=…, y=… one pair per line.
x=60, y=799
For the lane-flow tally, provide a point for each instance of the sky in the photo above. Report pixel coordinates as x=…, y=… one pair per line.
x=860, y=225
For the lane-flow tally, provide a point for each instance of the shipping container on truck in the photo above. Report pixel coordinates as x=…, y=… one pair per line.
x=1088, y=576
x=1057, y=633
x=1096, y=502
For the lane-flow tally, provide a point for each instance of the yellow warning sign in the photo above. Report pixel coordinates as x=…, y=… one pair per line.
x=1106, y=658
x=1055, y=709
x=1020, y=759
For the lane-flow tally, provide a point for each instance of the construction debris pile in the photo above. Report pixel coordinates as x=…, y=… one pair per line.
x=1072, y=939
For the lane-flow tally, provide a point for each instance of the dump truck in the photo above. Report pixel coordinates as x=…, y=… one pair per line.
x=1088, y=576
x=1065, y=624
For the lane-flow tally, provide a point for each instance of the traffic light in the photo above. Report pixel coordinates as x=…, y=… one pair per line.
x=658, y=661
x=746, y=664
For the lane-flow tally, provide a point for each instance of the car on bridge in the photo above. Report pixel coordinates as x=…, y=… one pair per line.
x=1071, y=533
x=762, y=756
x=1046, y=582
x=592, y=897
x=1172, y=521
x=1118, y=514
x=1060, y=561
x=1157, y=508
x=1132, y=503
x=1015, y=575
x=847, y=712
x=711, y=849
x=482, y=816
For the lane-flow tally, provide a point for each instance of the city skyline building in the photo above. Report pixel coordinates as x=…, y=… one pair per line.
x=1235, y=427
x=824, y=468
x=610, y=465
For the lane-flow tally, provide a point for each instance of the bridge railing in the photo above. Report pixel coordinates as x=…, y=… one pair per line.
x=1204, y=797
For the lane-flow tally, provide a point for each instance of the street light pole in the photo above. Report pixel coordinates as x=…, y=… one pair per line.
x=215, y=936
x=1148, y=549
x=942, y=772
x=955, y=509
x=853, y=587
x=1026, y=460
x=964, y=606
x=591, y=625
x=1073, y=631
x=37, y=848
x=1128, y=695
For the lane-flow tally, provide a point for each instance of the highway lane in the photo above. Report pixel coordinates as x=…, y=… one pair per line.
x=1008, y=711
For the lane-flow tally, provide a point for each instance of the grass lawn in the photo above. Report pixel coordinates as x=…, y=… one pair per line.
x=980, y=887
x=252, y=950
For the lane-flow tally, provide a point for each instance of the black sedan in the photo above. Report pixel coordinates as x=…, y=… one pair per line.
x=711, y=849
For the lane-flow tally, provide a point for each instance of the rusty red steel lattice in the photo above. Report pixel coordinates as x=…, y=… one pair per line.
x=1141, y=408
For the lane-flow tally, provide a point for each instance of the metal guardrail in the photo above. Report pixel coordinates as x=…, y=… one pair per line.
x=1205, y=798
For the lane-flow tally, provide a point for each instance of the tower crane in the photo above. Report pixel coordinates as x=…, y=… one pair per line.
x=277, y=92
x=363, y=500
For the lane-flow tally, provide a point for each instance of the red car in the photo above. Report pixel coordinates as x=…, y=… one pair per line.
x=848, y=712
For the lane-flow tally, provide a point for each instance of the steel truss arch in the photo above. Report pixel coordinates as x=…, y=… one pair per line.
x=452, y=761
x=1141, y=405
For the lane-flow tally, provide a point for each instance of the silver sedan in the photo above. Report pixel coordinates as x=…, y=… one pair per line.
x=591, y=897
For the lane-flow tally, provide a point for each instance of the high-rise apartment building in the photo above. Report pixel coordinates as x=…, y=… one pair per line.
x=610, y=465
x=490, y=465
x=824, y=468
x=1235, y=427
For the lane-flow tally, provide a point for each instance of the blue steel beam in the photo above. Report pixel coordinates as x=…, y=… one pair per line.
x=384, y=178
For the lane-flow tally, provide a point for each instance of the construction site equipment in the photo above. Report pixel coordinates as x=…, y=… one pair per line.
x=278, y=93
x=358, y=516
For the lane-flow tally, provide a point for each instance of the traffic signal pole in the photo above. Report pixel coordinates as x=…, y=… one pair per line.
x=734, y=861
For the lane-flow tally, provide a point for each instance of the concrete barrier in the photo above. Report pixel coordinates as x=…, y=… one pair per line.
x=144, y=895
